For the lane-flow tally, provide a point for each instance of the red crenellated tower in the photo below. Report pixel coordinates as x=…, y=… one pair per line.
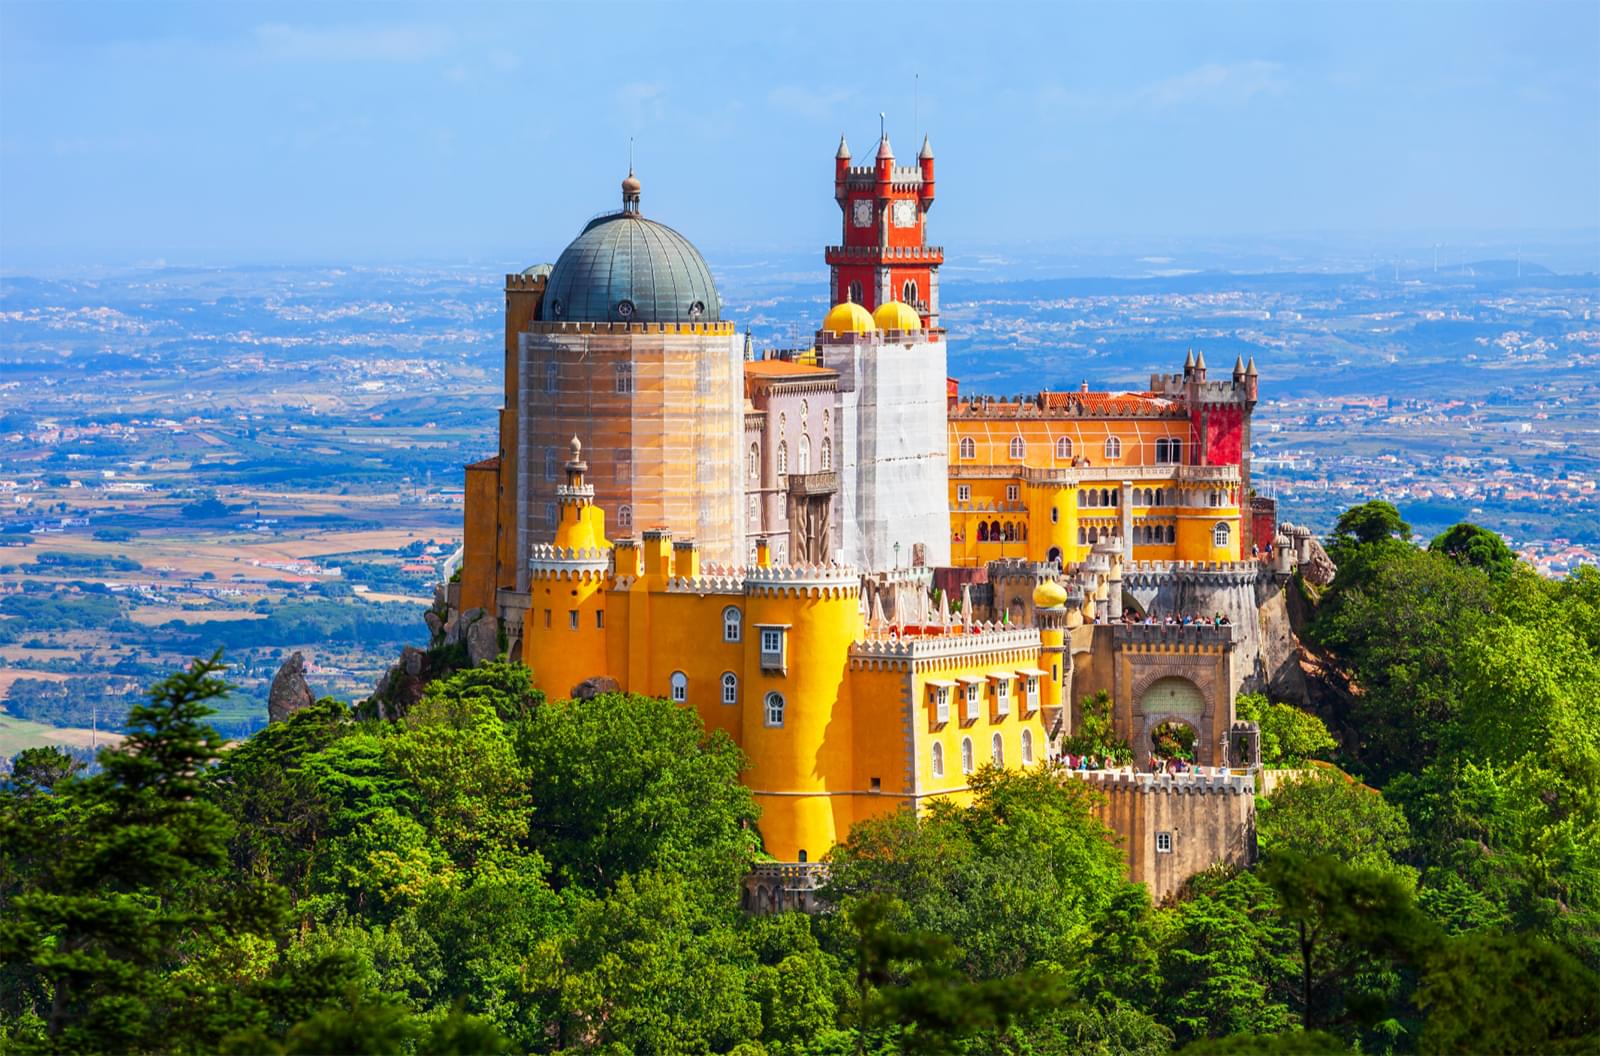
x=885, y=255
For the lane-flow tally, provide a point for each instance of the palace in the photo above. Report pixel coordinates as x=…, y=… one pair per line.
x=871, y=583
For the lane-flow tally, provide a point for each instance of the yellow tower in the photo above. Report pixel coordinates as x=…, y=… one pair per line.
x=1050, y=615
x=564, y=633
x=798, y=721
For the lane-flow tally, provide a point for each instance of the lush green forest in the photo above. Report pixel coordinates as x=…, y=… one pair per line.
x=496, y=872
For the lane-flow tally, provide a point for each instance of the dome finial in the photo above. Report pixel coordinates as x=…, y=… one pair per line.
x=630, y=186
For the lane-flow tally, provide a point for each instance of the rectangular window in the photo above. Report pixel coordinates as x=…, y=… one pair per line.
x=1012, y=492
x=625, y=378
x=550, y=514
x=1002, y=697
x=551, y=373
x=941, y=704
x=772, y=658
x=963, y=493
x=1033, y=693
x=624, y=465
x=547, y=619
x=1163, y=843
x=549, y=463
x=572, y=619
x=600, y=618
x=972, y=702
x=877, y=784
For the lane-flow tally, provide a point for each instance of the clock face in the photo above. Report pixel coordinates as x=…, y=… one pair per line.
x=905, y=213
x=863, y=213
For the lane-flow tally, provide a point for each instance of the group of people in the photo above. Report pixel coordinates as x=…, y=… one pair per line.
x=1218, y=620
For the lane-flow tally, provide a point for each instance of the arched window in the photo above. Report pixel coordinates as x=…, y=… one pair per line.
x=1064, y=447
x=969, y=449
x=1175, y=450
x=983, y=532
x=549, y=463
x=753, y=468
x=732, y=623
x=680, y=687
x=966, y=755
x=624, y=516
x=827, y=454
x=1018, y=449
x=730, y=688
x=624, y=378
x=994, y=531
x=997, y=750
x=908, y=292
x=1113, y=447
x=783, y=457
x=805, y=412
x=552, y=372
x=805, y=454
x=1083, y=540
x=1221, y=534
x=1161, y=449
x=855, y=292
x=1027, y=747
x=938, y=759
x=775, y=709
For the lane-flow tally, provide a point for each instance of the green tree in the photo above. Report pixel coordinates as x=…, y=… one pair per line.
x=1327, y=813
x=131, y=888
x=1351, y=927
x=1508, y=993
x=36, y=770
x=1289, y=737
x=1369, y=523
x=1469, y=544
x=1013, y=879
x=626, y=784
x=1096, y=732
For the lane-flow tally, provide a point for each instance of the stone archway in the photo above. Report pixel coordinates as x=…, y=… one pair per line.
x=1171, y=699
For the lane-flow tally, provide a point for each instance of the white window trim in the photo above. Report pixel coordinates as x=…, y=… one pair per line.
x=1164, y=843
x=767, y=710
x=968, y=764
x=730, y=688
x=937, y=767
x=680, y=687
x=941, y=704
x=963, y=493
x=732, y=624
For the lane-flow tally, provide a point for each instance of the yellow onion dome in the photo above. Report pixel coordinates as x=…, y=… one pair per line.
x=897, y=315
x=847, y=317
x=1049, y=595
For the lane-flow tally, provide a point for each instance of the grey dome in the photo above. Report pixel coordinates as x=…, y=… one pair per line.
x=626, y=269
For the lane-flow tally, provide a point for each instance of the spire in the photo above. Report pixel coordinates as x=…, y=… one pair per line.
x=843, y=153
x=1200, y=361
x=576, y=466
x=885, y=152
x=1250, y=371
x=1238, y=368
x=966, y=607
x=1188, y=362
x=927, y=149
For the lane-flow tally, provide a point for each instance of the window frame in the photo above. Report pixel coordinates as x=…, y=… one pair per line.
x=941, y=704
x=967, y=448
x=1025, y=752
x=678, y=685
x=1064, y=447
x=1017, y=450
x=997, y=750
x=1164, y=841
x=773, y=716
x=967, y=764
x=732, y=624
x=1113, y=447
x=1222, y=534
x=936, y=767
x=730, y=688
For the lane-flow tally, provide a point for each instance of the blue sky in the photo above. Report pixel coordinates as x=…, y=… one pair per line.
x=237, y=133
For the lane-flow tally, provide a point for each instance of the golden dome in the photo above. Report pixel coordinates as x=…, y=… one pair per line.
x=1049, y=595
x=847, y=317
x=897, y=315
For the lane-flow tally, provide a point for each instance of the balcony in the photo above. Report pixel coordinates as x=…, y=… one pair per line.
x=806, y=484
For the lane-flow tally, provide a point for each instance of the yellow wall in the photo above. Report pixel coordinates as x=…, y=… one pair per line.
x=479, y=541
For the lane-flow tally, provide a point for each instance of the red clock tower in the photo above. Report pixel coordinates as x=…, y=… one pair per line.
x=885, y=255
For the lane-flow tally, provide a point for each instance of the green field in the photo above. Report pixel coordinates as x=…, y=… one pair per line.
x=17, y=734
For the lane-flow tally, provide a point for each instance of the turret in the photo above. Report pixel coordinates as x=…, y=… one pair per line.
x=885, y=166
x=1188, y=363
x=1050, y=616
x=1250, y=381
x=925, y=162
x=1238, y=370
x=841, y=170
x=1200, y=367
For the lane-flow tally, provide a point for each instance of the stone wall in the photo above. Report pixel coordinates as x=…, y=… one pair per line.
x=1207, y=820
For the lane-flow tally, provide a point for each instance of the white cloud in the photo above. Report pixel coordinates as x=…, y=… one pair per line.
x=348, y=43
x=807, y=102
x=1215, y=83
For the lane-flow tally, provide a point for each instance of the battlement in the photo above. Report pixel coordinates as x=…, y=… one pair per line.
x=1056, y=405
x=530, y=283
x=980, y=643
x=929, y=254
x=1217, y=782
x=1162, y=637
x=1020, y=568
x=837, y=581
x=717, y=329
x=545, y=559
